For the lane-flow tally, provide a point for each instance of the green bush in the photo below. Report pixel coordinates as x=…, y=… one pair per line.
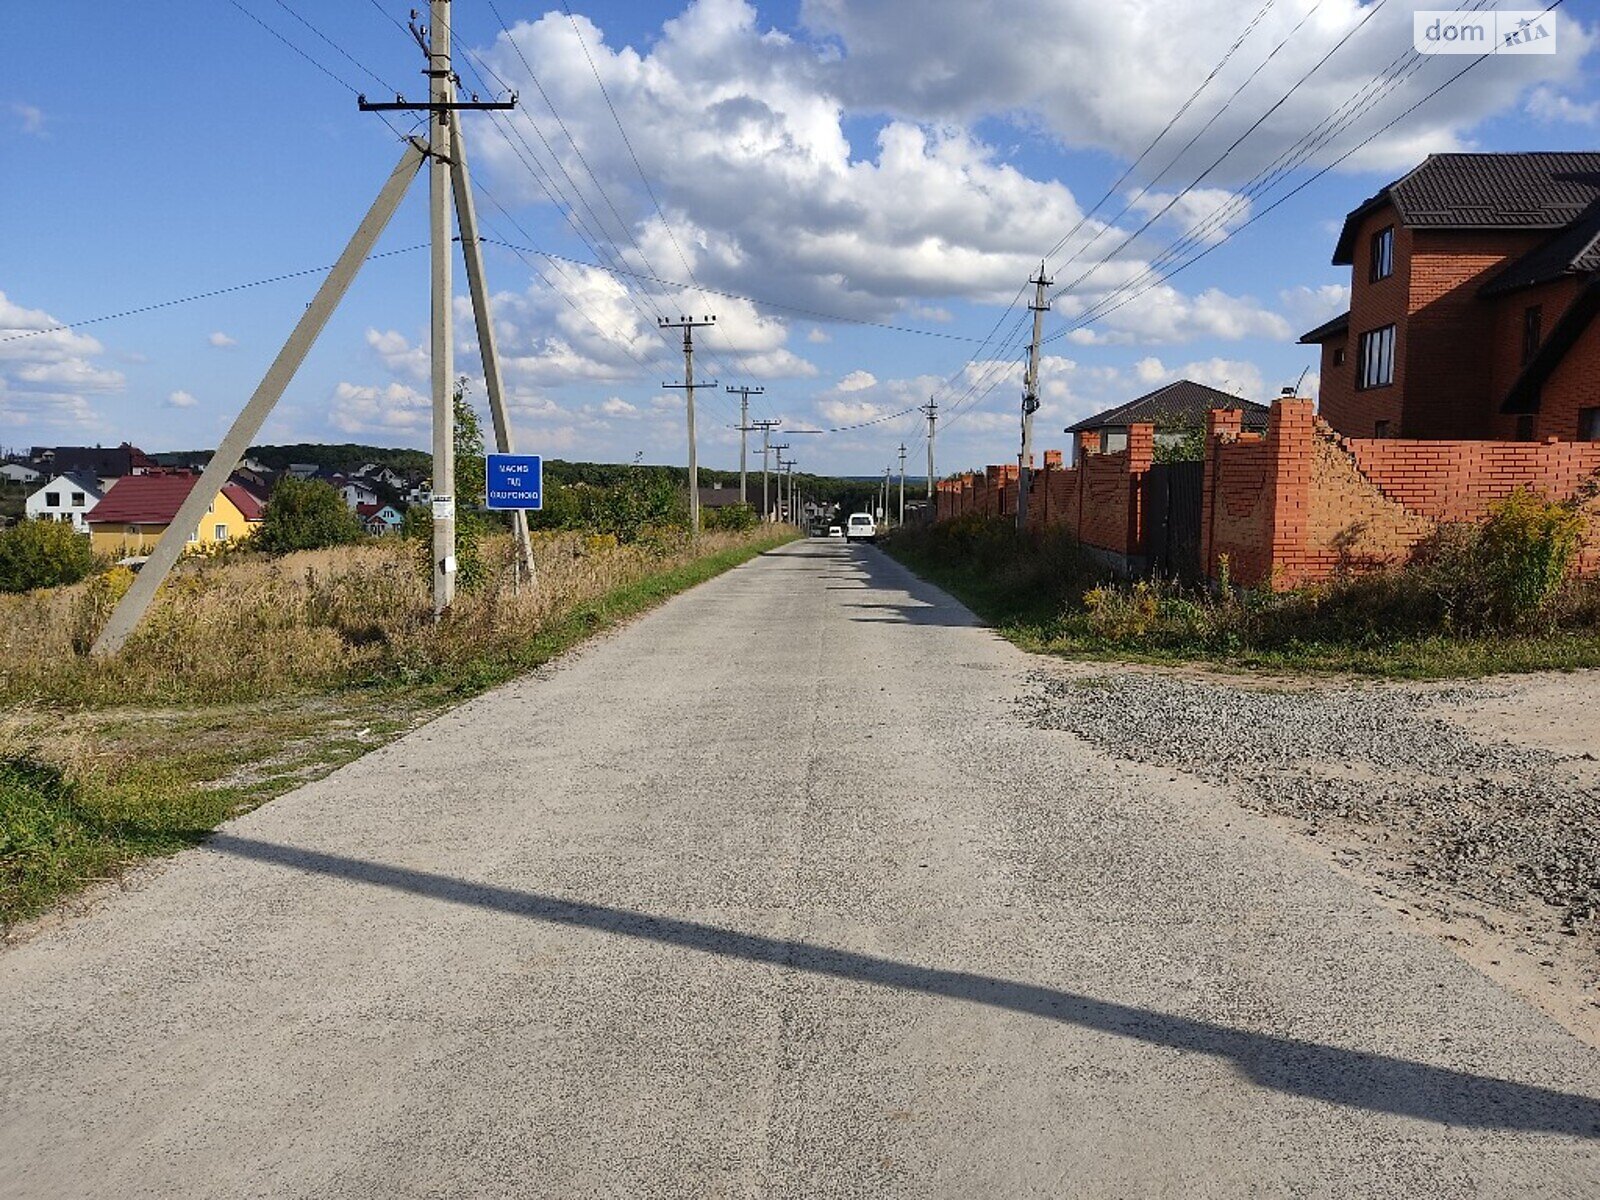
x=736, y=518
x=306, y=514
x=35, y=554
x=1526, y=548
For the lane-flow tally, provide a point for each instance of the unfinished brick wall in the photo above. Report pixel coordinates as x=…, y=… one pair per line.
x=1299, y=504
x=1305, y=504
x=1100, y=501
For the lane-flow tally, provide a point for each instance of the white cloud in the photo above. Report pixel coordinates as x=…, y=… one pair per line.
x=399, y=355
x=856, y=381
x=616, y=406
x=222, y=341
x=933, y=61
x=1308, y=307
x=181, y=399
x=1552, y=107
x=1164, y=315
x=818, y=337
x=1236, y=377
x=395, y=408
x=1205, y=215
x=47, y=372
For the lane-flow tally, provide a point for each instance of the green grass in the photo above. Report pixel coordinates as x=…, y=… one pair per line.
x=86, y=793
x=1045, y=615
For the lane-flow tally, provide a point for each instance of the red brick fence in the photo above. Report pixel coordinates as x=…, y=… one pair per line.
x=1295, y=505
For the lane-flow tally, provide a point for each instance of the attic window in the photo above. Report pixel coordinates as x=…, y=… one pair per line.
x=1382, y=255
x=1338, y=357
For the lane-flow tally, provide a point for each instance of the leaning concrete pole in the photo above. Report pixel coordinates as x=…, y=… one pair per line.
x=488, y=347
x=172, y=543
x=441, y=94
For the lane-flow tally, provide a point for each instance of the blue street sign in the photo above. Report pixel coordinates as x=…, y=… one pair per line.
x=515, y=481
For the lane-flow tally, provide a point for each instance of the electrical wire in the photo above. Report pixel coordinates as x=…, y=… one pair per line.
x=190, y=299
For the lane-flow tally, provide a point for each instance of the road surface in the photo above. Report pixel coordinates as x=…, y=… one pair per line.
x=773, y=893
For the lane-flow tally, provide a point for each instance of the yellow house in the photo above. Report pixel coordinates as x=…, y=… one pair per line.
x=138, y=508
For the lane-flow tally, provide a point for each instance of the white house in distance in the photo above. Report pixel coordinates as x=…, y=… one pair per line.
x=18, y=473
x=65, y=498
x=356, y=494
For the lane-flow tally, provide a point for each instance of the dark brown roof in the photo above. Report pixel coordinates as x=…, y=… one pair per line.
x=723, y=497
x=1184, y=403
x=1327, y=330
x=1573, y=251
x=100, y=461
x=154, y=500
x=1538, y=190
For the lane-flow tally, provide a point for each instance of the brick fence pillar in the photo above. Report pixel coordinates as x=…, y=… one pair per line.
x=1223, y=425
x=1291, y=432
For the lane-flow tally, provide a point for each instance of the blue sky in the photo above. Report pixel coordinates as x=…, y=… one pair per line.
x=892, y=163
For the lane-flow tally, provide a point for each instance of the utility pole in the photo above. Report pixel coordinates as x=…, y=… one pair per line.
x=766, y=427
x=744, y=394
x=931, y=411
x=443, y=139
x=778, y=458
x=887, y=471
x=488, y=350
x=902, y=519
x=441, y=91
x=1030, y=398
x=689, y=325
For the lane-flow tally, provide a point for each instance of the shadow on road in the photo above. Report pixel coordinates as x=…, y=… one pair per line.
x=1339, y=1076
x=858, y=568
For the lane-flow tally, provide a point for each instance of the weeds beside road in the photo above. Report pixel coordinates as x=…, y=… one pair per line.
x=1471, y=607
x=252, y=676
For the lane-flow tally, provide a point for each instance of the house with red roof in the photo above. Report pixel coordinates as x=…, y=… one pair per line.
x=138, y=509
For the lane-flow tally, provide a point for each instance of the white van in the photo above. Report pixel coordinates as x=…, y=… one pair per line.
x=862, y=528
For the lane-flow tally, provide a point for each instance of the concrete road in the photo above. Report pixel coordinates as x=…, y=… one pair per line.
x=772, y=894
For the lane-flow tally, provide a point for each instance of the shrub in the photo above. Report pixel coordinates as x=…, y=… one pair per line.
x=1188, y=446
x=306, y=514
x=35, y=554
x=736, y=518
x=1526, y=548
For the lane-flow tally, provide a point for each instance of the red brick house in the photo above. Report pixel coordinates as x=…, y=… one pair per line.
x=1475, y=288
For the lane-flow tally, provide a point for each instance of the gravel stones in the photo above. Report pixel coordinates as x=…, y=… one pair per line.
x=1492, y=820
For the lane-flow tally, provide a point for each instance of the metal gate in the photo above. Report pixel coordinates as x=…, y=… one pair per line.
x=1173, y=518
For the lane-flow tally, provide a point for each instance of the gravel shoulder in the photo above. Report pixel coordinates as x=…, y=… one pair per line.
x=1473, y=811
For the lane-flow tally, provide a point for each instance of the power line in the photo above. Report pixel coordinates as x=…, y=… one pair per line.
x=338, y=49
x=1256, y=124
x=1301, y=186
x=1370, y=95
x=637, y=166
x=1165, y=129
x=223, y=291
x=1015, y=334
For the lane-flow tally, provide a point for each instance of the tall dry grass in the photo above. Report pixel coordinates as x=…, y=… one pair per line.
x=251, y=626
